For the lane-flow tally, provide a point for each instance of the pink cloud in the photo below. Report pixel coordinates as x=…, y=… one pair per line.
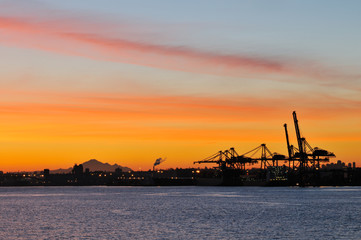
x=62, y=37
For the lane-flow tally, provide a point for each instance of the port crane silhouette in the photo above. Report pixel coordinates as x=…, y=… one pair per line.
x=299, y=159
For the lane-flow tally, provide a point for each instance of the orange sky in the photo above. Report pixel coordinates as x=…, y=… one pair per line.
x=120, y=88
x=53, y=130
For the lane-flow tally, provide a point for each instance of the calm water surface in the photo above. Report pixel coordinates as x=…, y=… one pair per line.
x=180, y=213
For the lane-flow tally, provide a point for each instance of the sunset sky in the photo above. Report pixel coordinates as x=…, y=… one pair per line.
x=127, y=82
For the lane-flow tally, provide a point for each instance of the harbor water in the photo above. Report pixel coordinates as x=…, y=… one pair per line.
x=188, y=212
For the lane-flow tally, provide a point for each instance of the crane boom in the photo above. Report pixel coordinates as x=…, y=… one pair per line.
x=298, y=134
x=288, y=142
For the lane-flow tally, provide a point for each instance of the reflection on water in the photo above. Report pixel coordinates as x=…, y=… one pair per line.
x=180, y=213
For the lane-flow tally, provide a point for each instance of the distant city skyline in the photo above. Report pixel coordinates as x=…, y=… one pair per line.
x=126, y=82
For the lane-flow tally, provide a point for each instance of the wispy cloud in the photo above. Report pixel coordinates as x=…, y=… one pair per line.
x=63, y=37
x=95, y=105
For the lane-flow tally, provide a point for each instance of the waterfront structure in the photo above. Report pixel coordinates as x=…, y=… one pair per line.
x=303, y=162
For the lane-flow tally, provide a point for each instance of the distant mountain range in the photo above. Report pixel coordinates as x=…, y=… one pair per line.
x=94, y=165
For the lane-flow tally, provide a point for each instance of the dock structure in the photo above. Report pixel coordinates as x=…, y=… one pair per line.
x=302, y=163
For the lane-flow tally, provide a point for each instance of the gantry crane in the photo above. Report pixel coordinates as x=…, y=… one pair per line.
x=230, y=159
x=304, y=160
x=305, y=155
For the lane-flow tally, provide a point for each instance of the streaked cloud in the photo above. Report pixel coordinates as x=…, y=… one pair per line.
x=62, y=37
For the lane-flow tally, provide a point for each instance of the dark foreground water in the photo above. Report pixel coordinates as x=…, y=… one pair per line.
x=180, y=213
